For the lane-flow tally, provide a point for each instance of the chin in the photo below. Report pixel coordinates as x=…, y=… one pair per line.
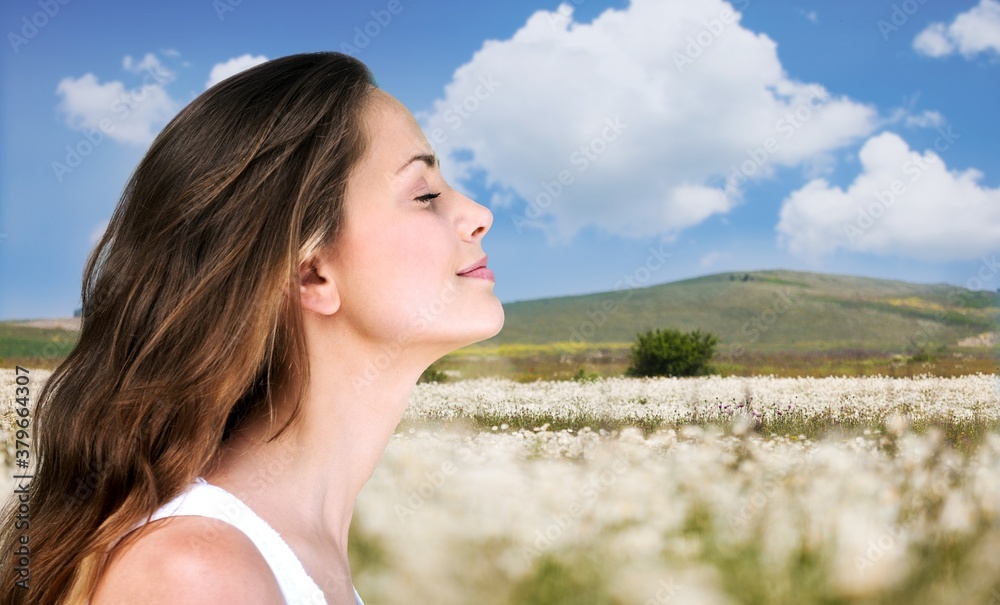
x=497, y=323
x=487, y=328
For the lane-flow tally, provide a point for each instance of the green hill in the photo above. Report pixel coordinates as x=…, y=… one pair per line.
x=34, y=344
x=764, y=311
x=755, y=312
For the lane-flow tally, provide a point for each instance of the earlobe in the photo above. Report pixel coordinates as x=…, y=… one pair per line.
x=318, y=290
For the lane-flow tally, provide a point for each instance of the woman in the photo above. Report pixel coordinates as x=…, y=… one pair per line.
x=283, y=265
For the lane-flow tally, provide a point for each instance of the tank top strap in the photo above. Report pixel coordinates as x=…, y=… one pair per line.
x=206, y=500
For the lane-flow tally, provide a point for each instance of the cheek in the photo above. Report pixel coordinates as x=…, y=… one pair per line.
x=401, y=267
x=419, y=257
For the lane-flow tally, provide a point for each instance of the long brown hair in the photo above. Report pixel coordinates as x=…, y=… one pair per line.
x=191, y=314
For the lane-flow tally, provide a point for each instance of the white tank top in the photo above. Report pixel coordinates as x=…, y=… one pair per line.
x=206, y=500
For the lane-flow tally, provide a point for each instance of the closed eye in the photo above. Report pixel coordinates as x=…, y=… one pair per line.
x=426, y=199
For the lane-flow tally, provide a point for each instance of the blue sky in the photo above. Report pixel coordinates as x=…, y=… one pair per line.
x=606, y=137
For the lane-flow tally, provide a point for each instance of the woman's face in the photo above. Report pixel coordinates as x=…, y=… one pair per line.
x=397, y=263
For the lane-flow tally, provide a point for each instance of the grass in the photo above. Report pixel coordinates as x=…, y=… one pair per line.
x=46, y=348
x=525, y=363
x=786, y=323
x=41, y=348
x=556, y=582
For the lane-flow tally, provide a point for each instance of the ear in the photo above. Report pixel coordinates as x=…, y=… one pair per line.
x=318, y=290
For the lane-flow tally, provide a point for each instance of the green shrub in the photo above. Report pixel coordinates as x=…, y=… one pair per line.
x=922, y=355
x=582, y=375
x=671, y=352
x=433, y=374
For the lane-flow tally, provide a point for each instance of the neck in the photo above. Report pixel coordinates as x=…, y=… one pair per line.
x=306, y=480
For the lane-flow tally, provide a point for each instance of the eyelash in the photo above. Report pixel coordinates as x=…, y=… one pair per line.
x=426, y=199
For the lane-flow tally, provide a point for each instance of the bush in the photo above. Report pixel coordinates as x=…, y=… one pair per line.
x=922, y=355
x=582, y=375
x=672, y=353
x=433, y=374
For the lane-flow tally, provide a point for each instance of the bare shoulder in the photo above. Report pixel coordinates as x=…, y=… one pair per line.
x=188, y=559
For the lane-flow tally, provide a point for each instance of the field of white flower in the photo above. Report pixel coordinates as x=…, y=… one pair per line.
x=698, y=490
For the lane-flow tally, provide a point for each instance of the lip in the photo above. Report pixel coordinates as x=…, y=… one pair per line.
x=479, y=263
x=478, y=269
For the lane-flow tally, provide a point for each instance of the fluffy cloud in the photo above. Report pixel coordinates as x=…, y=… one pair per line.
x=133, y=115
x=148, y=64
x=127, y=115
x=926, y=119
x=974, y=31
x=644, y=122
x=902, y=203
x=221, y=71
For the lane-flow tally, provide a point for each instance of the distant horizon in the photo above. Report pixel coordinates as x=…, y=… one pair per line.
x=738, y=271
x=734, y=272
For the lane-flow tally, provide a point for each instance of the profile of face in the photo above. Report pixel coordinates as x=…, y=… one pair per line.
x=396, y=265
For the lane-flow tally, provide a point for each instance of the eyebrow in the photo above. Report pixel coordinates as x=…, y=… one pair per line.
x=427, y=158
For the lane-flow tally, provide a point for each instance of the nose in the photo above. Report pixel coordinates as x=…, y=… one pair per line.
x=474, y=219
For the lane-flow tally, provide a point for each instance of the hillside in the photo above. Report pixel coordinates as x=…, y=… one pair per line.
x=764, y=311
x=759, y=311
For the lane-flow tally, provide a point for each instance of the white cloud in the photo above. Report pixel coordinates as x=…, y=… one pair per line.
x=902, y=203
x=908, y=116
x=696, y=96
x=501, y=199
x=149, y=66
x=221, y=71
x=933, y=41
x=712, y=258
x=925, y=119
x=132, y=115
x=128, y=115
x=975, y=31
